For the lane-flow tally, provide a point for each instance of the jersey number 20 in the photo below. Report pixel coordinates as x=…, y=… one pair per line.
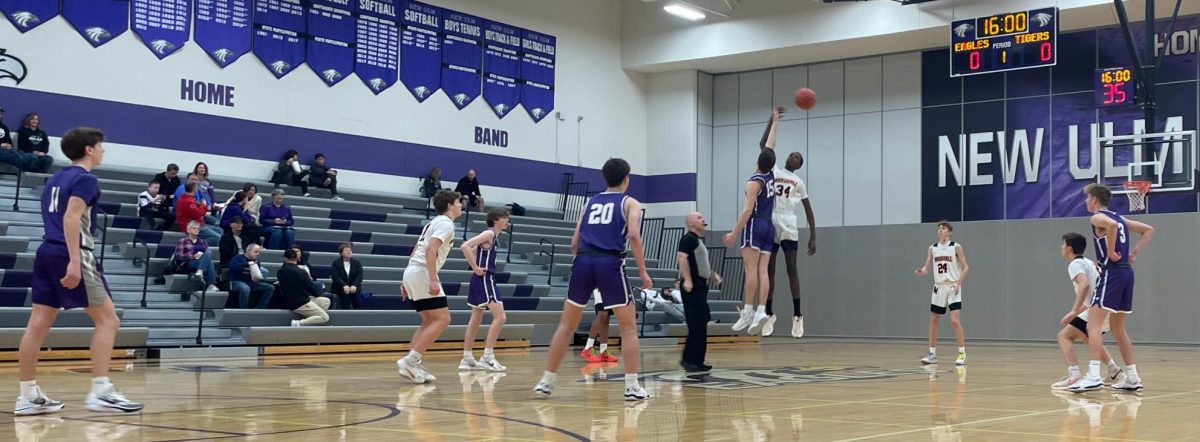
x=600, y=214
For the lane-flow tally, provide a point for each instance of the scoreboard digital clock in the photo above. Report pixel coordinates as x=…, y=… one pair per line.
x=1004, y=42
x=1115, y=87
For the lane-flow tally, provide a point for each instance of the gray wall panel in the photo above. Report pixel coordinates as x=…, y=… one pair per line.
x=828, y=81
x=704, y=168
x=863, y=176
x=783, y=92
x=825, y=169
x=704, y=88
x=724, y=196
x=901, y=166
x=725, y=100
x=754, y=97
x=864, y=88
x=902, y=81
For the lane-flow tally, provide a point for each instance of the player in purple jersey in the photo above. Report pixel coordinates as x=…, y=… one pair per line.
x=757, y=242
x=481, y=252
x=609, y=220
x=66, y=275
x=1113, y=299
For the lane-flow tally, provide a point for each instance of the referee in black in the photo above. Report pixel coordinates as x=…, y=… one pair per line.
x=696, y=273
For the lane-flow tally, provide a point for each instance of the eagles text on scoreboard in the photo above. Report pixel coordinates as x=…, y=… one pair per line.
x=1004, y=42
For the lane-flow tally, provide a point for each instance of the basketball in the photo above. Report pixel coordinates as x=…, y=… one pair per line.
x=805, y=98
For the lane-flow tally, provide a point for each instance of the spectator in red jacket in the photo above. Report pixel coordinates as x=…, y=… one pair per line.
x=188, y=208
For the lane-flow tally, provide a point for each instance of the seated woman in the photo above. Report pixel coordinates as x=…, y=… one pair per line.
x=276, y=219
x=192, y=255
x=347, y=275
x=288, y=171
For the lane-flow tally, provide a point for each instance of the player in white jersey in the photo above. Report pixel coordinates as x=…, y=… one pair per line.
x=790, y=192
x=421, y=283
x=950, y=269
x=1084, y=275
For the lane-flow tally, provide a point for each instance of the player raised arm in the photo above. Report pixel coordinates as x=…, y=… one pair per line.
x=470, y=247
x=752, y=189
x=962, y=259
x=633, y=225
x=1145, y=234
x=1110, y=232
x=71, y=228
x=768, y=137
x=922, y=270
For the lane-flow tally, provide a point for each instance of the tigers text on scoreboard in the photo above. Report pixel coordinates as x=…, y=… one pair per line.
x=1004, y=42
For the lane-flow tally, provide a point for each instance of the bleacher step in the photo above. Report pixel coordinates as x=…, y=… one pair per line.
x=182, y=333
x=191, y=342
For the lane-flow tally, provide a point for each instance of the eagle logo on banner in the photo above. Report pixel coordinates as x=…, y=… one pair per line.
x=538, y=113
x=162, y=47
x=962, y=30
x=97, y=34
x=331, y=76
x=377, y=84
x=501, y=109
x=280, y=67
x=25, y=19
x=461, y=99
x=421, y=92
x=1043, y=18
x=12, y=67
x=222, y=55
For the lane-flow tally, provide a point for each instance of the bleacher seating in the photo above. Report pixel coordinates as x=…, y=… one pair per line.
x=384, y=229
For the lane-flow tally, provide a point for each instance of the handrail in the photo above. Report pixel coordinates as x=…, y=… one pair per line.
x=145, y=268
x=104, y=237
x=17, y=191
x=200, y=321
x=508, y=251
x=466, y=222
x=553, y=254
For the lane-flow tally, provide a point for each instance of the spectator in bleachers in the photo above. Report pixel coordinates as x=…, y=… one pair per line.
x=322, y=176
x=33, y=140
x=234, y=240
x=246, y=278
x=653, y=301
x=253, y=204
x=206, y=187
x=289, y=172
x=277, y=221
x=192, y=254
x=189, y=208
x=431, y=183
x=236, y=209
x=302, y=262
x=193, y=179
x=168, y=183
x=152, y=208
x=347, y=275
x=468, y=186
x=22, y=160
x=299, y=295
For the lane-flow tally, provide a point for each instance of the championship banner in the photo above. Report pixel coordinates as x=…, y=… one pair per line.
x=501, y=66
x=279, y=34
x=537, y=74
x=420, y=49
x=28, y=14
x=223, y=29
x=163, y=25
x=332, y=32
x=377, y=46
x=1026, y=151
x=462, y=57
x=98, y=21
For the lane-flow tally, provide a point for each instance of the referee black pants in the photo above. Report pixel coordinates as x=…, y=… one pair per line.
x=696, y=314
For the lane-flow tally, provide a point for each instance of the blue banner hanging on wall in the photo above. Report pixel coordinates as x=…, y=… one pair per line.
x=98, y=21
x=537, y=74
x=279, y=35
x=28, y=14
x=377, y=46
x=501, y=66
x=421, y=49
x=462, y=57
x=223, y=29
x=331, y=35
x=163, y=25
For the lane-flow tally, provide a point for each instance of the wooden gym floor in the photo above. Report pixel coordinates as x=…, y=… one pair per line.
x=784, y=389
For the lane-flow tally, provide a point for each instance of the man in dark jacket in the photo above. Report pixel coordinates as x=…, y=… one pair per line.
x=468, y=186
x=323, y=176
x=237, y=238
x=347, y=275
x=168, y=183
x=298, y=293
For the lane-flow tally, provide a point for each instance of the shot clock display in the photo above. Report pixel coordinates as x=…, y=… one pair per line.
x=1115, y=87
x=1004, y=42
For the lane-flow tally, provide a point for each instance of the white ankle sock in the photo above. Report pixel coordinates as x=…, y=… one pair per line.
x=591, y=342
x=29, y=389
x=100, y=383
x=603, y=347
x=1073, y=371
x=1131, y=372
x=1093, y=369
x=468, y=355
x=549, y=377
x=747, y=309
x=631, y=380
x=413, y=357
x=762, y=310
x=933, y=351
x=962, y=350
x=489, y=353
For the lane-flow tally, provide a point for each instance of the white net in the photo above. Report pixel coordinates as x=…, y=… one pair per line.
x=1137, y=196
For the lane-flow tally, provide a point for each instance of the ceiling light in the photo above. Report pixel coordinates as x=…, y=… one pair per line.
x=684, y=11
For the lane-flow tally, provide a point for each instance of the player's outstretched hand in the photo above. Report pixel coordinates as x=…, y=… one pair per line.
x=71, y=280
x=920, y=271
x=1067, y=318
x=1114, y=256
x=956, y=286
x=687, y=286
x=778, y=112
x=435, y=288
x=812, y=247
x=647, y=283
x=729, y=239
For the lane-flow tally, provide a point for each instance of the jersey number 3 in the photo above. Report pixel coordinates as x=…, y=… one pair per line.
x=53, y=200
x=600, y=214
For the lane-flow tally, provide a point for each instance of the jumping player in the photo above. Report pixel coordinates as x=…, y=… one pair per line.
x=950, y=270
x=66, y=275
x=481, y=252
x=422, y=285
x=598, y=332
x=1084, y=275
x=789, y=192
x=1114, y=290
x=757, y=242
x=611, y=218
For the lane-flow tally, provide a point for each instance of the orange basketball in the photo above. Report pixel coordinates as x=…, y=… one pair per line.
x=806, y=98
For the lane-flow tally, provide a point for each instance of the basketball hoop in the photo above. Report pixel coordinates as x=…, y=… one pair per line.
x=1137, y=196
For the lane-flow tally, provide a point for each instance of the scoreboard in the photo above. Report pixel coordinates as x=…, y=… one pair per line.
x=1115, y=87
x=1004, y=42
